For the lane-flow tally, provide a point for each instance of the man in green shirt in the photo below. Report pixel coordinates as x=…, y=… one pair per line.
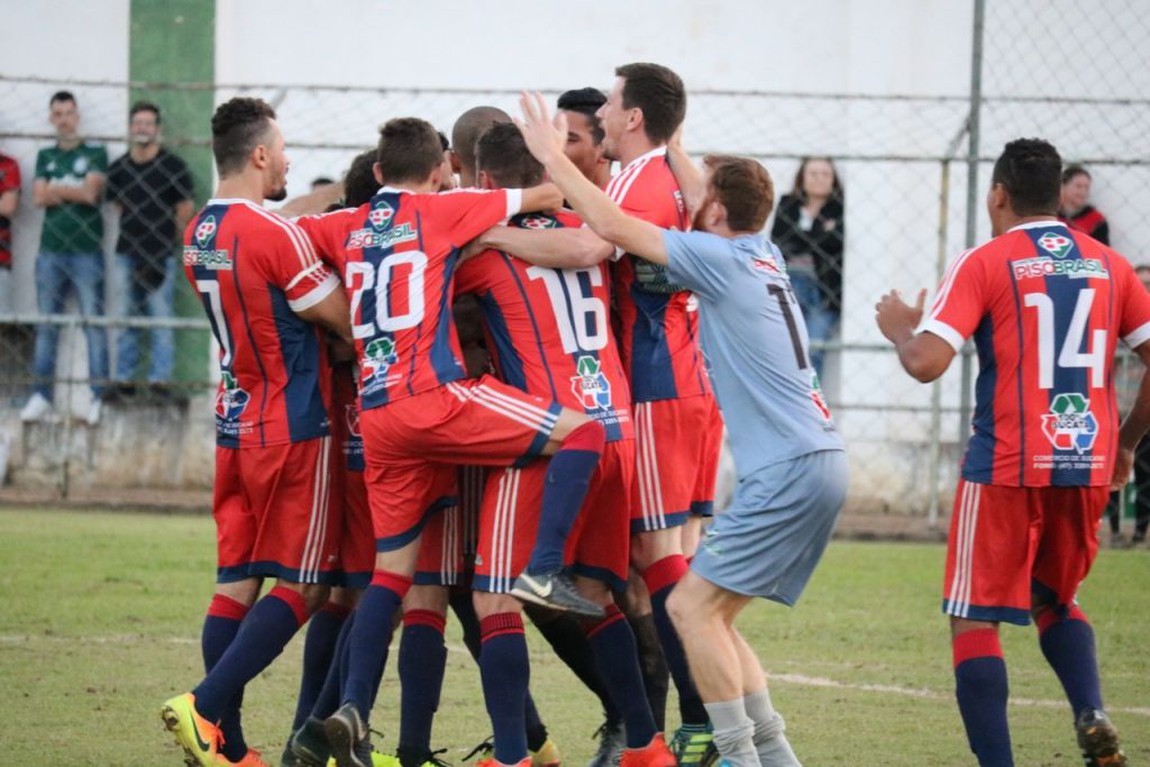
x=69, y=186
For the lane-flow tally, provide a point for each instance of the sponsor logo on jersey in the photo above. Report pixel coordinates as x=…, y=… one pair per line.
x=1070, y=425
x=591, y=385
x=1075, y=268
x=380, y=216
x=370, y=238
x=231, y=400
x=200, y=254
x=378, y=357
x=1056, y=244
x=818, y=399
x=767, y=263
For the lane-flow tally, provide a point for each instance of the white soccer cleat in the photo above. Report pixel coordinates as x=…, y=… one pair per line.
x=38, y=409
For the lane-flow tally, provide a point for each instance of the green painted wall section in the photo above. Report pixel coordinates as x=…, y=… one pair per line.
x=173, y=43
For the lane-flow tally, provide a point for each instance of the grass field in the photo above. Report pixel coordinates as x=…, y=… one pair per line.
x=102, y=614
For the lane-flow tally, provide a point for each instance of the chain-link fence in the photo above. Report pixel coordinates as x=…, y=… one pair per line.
x=909, y=203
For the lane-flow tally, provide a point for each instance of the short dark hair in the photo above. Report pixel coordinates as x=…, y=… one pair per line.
x=145, y=106
x=502, y=153
x=745, y=189
x=657, y=91
x=586, y=101
x=409, y=150
x=1030, y=170
x=59, y=96
x=359, y=184
x=443, y=140
x=1072, y=170
x=238, y=126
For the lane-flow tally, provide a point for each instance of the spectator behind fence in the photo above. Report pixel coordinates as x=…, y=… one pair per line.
x=809, y=230
x=151, y=189
x=1127, y=376
x=1074, y=208
x=69, y=184
x=9, y=199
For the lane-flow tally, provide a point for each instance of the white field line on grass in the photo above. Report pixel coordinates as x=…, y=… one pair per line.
x=795, y=679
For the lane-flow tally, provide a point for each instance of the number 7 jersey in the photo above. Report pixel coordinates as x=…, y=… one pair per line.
x=398, y=254
x=1046, y=307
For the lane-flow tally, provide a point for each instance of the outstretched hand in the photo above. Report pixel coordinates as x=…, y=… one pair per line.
x=897, y=319
x=545, y=136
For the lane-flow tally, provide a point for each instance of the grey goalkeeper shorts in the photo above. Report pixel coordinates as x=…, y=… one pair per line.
x=769, y=540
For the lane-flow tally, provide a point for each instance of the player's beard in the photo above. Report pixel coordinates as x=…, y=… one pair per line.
x=698, y=223
x=279, y=194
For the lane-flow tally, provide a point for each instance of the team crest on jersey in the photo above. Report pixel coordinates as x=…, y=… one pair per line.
x=1056, y=245
x=378, y=357
x=591, y=385
x=381, y=215
x=1070, y=425
x=537, y=222
x=231, y=400
x=351, y=418
x=204, y=231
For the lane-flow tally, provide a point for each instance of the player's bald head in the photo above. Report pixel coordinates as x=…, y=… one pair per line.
x=468, y=128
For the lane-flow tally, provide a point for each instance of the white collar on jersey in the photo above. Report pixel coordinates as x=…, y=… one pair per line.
x=1038, y=224
x=658, y=151
x=393, y=190
x=228, y=201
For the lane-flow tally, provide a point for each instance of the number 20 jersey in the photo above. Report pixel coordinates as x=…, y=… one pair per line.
x=398, y=254
x=1046, y=307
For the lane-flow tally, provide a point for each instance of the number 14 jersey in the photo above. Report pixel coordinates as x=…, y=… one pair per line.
x=1046, y=307
x=398, y=255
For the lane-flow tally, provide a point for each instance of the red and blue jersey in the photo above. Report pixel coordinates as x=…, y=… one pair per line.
x=1046, y=307
x=397, y=255
x=253, y=270
x=548, y=330
x=658, y=325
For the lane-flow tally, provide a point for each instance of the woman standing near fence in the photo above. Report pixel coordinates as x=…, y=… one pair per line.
x=809, y=230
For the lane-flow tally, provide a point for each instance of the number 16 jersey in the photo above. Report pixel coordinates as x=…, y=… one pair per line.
x=398, y=254
x=1046, y=307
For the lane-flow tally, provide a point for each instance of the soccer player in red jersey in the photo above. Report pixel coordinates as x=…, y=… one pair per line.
x=262, y=287
x=549, y=333
x=585, y=133
x=678, y=426
x=1046, y=307
x=420, y=415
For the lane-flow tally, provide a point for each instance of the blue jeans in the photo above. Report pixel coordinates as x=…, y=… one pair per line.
x=57, y=275
x=820, y=318
x=139, y=301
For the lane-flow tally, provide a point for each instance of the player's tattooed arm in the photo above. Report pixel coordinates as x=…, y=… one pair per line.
x=545, y=138
x=555, y=248
x=1134, y=426
x=924, y=355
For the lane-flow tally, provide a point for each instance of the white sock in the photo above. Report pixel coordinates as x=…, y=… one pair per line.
x=734, y=733
x=773, y=748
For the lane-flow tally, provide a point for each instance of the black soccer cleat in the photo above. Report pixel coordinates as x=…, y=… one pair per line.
x=555, y=590
x=347, y=736
x=1098, y=739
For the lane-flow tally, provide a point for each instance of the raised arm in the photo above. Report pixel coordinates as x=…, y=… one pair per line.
x=687, y=174
x=545, y=139
x=924, y=355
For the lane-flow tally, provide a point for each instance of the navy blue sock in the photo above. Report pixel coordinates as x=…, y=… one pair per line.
x=422, y=659
x=318, y=653
x=618, y=659
x=981, y=688
x=661, y=577
x=536, y=730
x=653, y=665
x=504, y=669
x=220, y=628
x=566, y=636
x=568, y=477
x=270, y=625
x=328, y=699
x=1068, y=644
x=367, y=644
